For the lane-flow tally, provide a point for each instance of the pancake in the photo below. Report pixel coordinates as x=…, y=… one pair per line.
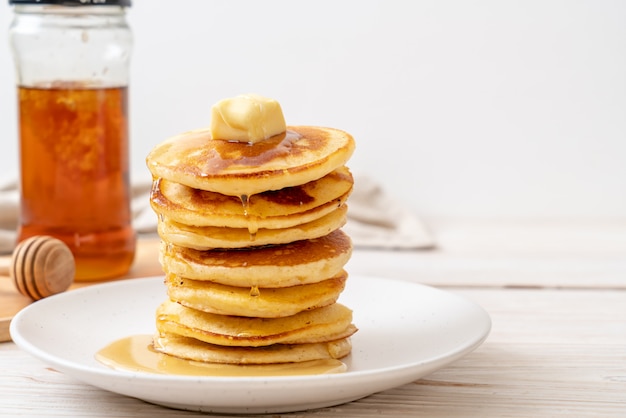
x=319, y=325
x=196, y=350
x=211, y=237
x=298, y=156
x=254, y=301
x=251, y=242
x=273, y=209
x=295, y=263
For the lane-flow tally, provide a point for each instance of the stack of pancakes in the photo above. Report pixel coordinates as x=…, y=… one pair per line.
x=252, y=247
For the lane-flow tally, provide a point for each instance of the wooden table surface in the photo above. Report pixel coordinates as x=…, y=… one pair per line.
x=556, y=293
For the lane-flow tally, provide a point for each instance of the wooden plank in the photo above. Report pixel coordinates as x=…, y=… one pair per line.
x=439, y=268
x=11, y=301
x=509, y=253
x=557, y=353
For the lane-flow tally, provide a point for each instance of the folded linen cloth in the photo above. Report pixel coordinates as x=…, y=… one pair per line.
x=378, y=220
x=375, y=220
x=9, y=212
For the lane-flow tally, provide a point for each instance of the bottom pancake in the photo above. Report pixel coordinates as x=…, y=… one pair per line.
x=196, y=350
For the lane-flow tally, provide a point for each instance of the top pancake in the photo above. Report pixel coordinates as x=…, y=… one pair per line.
x=298, y=156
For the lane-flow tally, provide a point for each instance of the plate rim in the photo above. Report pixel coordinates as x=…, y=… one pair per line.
x=403, y=372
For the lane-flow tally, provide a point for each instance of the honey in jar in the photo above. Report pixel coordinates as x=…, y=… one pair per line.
x=74, y=174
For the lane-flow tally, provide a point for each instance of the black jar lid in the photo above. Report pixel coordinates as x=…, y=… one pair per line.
x=123, y=3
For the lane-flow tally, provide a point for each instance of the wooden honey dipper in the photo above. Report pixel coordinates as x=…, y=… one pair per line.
x=41, y=266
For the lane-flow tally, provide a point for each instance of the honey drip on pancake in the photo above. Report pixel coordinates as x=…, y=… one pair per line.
x=135, y=354
x=243, y=153
x=254, y=291
x=224, y=154
x=253, y=224
x=245, y=202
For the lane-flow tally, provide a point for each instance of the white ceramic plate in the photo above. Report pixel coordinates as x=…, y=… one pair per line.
x=406, y=331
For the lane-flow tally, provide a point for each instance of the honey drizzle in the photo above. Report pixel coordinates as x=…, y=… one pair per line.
x=253, y=224
x=254, y=291
x=252, y=230
x=245, y=202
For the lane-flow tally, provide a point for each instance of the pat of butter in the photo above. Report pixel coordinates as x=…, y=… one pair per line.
x=246, y=118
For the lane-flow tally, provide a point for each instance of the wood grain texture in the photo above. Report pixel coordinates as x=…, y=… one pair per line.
x=11, y=301
x=557, y=346
x=540, y=362
x=521, y=253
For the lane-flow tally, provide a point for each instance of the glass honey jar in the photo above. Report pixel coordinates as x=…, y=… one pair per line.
x=72, y=66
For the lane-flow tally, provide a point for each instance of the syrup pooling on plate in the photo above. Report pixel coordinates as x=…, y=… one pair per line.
x=135, y=354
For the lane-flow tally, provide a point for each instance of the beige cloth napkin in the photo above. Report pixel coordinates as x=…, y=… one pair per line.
x=378, y=220
x=375, y=220
x=9, y=212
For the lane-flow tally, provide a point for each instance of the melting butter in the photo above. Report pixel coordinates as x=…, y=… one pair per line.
x=246, y=118
x=135, y=354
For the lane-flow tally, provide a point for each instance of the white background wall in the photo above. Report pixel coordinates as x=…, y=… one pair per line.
x=461, y=108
